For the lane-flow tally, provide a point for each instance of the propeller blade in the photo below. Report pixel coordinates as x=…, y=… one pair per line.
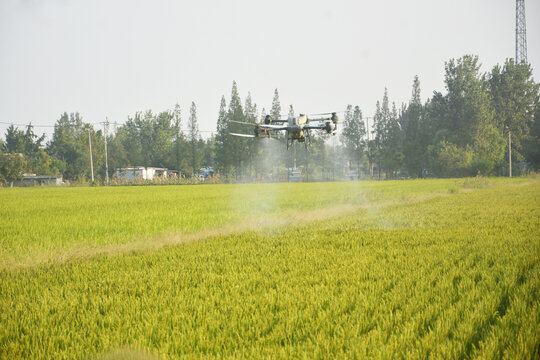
x=327, y=113
x=242, y=135
x=242, y=122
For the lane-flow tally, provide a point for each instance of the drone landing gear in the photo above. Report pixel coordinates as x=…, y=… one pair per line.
x=308, y=139
x=289, y=142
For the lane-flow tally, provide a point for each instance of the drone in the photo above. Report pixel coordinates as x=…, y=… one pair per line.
x=297, y=128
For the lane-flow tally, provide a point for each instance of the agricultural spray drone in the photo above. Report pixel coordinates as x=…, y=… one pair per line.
x=297, y=128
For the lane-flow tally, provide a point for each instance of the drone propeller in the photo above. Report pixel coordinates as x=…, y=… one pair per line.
x=328, y=113
x=242, y=122
x=242, y=135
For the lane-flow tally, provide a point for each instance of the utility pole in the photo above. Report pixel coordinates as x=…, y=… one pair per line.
x=521, y=33
x=106, y=128
x=369, y=148
x=294, y=150
x=91, y=161
x=510, y=152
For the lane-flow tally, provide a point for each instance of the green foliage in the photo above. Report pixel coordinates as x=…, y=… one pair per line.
x=388, y=142
x=450, y=159
x=353, y=134
x=237, y=145
x=178, y=136
x=12, y=168
x=15, y=141
x=515, y=98
x=415, y=134
x=488, y=151
x=223, y=154
x=27, y=143
x=70, y=145
x=467, y=106
x=531, y=147
x=468, y=140
x=275, y=111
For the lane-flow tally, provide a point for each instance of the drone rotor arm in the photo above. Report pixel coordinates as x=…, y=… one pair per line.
x=273, y=127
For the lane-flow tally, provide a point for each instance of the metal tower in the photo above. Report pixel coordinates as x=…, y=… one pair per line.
x=521, y=33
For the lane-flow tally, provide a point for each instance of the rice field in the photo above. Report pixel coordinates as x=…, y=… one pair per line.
x=398, y=269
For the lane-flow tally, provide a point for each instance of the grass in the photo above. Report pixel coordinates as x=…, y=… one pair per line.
x=410, y=269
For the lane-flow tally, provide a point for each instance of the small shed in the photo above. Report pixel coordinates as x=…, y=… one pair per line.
x=39, y=180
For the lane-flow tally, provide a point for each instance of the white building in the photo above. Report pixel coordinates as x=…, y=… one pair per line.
x=39, y=180
x=137, y=173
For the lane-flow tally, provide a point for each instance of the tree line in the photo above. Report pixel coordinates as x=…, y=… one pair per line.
x=461, y=132
x=464, y=131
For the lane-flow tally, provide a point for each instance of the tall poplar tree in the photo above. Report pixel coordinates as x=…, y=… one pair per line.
x=223, y=143
x=415, y=141
x=236, y=113
x=178, y=136
x=353, y=134
x=250, y=147
x=291, y=110
x=275, y=111
x=277, y=154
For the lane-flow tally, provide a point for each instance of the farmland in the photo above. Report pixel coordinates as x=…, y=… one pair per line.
x=397, y=269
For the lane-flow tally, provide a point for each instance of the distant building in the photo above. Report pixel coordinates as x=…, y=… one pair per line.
x=352, y=175
x=206, y=172
x=39, y=180
x=295, y=175
x=138, y=173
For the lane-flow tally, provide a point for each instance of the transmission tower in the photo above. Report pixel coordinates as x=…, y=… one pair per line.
x=521, y=33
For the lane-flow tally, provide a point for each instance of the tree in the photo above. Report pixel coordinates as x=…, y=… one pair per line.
x=30, y=145
x=178, y=136
x=15, y=141
x=450, y=159
x=275, y=111
x=415, y=134
x=276, y=149
x=515, y=97
x=193, y=139
x=208, y=151
x=223, y=144
x=12, y=167
x=465, y=117
x=250, y=147
x=128, y=144
x=531, y=146
x=162, y=138
x=70, y=145
x=32, y=142
x=353, y=135
x=291, y=110
x=388, y=137
x=236, y=113
x=468, y=103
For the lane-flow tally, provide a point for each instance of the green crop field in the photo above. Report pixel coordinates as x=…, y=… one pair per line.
x=395, y=269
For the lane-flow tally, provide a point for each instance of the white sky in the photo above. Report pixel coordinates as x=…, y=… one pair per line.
x=113, y=58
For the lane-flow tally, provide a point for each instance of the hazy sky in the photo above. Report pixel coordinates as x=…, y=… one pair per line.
x=113, y=58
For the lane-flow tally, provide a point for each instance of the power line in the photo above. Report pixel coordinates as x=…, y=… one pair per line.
x=98, y=123
x=41, y=126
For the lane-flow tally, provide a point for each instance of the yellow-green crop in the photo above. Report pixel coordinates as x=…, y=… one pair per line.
x=410, y=269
